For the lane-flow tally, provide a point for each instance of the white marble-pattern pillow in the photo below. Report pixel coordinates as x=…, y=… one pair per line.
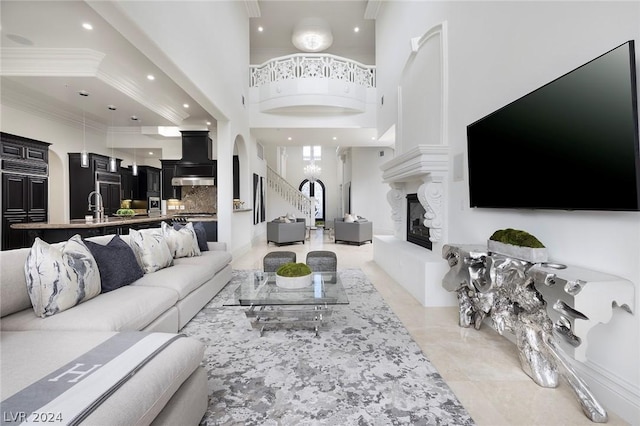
x=151, y=249
x=59, y=278
x=182, y=242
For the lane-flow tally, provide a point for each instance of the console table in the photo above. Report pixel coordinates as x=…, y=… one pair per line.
x=548, y=307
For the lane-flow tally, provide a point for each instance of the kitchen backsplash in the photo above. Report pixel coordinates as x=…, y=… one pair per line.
x=200, y=199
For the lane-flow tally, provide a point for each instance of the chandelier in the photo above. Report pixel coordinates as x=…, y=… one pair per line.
x=312, y=171
x=312, y=35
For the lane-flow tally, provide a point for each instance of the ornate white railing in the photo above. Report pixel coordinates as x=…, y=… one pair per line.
x=309, y=65
x=288, y=192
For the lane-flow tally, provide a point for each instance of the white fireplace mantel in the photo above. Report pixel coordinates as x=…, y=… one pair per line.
x=429, y=165
x=420, y=161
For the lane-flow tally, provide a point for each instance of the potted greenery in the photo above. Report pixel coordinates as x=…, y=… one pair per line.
x=518, y=244
x=293, y=275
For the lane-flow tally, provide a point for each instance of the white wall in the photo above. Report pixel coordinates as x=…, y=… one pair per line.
x=368, y=193
x=499, y=51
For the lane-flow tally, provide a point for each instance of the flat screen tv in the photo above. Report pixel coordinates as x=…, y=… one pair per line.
x=572, y=144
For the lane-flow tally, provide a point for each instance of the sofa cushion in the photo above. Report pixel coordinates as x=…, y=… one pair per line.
x=59, y=278
x=182, y=242
x=214, y=259
x=127, y=308
x=116, y=262
x=151, y=249
x=181, y=278
x=14, y=296
x=201, y=234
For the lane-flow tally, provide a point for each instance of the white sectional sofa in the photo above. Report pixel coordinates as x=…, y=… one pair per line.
x=170, y=388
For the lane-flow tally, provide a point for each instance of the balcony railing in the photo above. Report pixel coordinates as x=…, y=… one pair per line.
x=305, y=65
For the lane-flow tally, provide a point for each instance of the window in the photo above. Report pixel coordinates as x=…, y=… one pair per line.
x=311, y=153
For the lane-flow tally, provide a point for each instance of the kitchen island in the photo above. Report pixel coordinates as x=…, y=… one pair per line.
x=57, y=232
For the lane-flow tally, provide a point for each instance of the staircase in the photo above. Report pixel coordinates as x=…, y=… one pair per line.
x=289, y=193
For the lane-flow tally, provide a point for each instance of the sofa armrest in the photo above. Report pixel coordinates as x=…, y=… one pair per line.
x=217, y=245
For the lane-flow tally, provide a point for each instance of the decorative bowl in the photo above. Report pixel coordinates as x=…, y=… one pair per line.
x=293, y=282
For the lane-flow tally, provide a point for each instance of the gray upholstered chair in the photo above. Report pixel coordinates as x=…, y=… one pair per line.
x=281, y=232
x=353, y=232
x=272, y=261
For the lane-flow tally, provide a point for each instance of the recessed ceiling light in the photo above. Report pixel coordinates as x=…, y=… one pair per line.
x=87, y=26
x=150, y=77
x=150, y=152
x=260, y=29
x=356, y=29
x=185, y=105
x=289, y=138
x=373, y=138
x=208, y=123
x=335, y=138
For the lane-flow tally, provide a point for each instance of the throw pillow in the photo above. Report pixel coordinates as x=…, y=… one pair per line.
x=59, y=278
x=182, y=243
x=151, y=249
x=348, y=218
x=201, y=234
x=116, y=262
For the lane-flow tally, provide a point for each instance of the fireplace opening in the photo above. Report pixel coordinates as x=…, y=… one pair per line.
x=417, y=233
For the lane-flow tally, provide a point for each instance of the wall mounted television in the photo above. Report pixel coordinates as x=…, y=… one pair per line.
x=572, y=144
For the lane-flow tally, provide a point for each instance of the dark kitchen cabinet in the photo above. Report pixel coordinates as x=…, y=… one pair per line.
x=110, y=197
x=168, y=172
x=82, y=181
x=127, y=183
x=148, y=182
x=25, y=186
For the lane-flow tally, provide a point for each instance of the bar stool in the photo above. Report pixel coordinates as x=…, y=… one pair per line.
x=272, y=261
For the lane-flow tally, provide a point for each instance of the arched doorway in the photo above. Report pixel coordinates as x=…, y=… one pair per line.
x=316, y=189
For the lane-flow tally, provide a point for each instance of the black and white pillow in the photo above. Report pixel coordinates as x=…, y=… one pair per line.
x=116, y=262
x=151, y=249
x=201, y=234
x=182, y=242
x=59, y=278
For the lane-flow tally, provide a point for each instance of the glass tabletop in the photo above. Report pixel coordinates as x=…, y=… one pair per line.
x=260, y=289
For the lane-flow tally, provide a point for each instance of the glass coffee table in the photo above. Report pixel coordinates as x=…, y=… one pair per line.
x=270, y=305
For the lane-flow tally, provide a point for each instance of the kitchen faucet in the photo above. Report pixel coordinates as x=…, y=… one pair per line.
x=98, y=212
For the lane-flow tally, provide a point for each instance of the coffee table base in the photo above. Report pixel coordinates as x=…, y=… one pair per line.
x=313, y=316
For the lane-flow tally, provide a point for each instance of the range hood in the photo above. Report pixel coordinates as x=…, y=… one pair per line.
x=193, y=181
x=196, y=168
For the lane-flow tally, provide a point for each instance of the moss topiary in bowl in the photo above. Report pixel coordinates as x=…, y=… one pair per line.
x=517, y=244
x=293, y=275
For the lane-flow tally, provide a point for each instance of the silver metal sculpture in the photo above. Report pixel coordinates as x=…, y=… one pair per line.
x=502, y=288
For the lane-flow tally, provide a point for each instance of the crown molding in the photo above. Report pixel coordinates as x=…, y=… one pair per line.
x=130, y=88
x=79, y=62
x=253, y=8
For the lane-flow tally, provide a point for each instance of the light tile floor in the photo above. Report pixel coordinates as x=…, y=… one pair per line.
x=480, y=366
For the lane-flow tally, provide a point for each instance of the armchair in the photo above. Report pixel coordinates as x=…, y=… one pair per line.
x=281, y=232
x=353, y=232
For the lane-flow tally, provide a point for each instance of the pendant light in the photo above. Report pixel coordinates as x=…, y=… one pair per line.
x=113, y=165
x=134, y=167
x=84, y=155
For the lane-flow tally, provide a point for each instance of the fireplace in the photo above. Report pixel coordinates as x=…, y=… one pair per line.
x=417, y=232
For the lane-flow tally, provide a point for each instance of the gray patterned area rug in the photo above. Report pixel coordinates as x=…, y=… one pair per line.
x=364, y=369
